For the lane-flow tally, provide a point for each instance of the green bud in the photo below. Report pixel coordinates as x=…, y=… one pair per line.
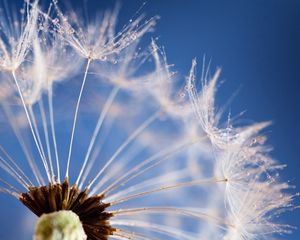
x=61, y=225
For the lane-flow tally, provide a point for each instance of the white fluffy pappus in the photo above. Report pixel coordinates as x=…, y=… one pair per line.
x=152, y=159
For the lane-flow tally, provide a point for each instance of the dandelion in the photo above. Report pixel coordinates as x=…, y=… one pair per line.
x=132, y=155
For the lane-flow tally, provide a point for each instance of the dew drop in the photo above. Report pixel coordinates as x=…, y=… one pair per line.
x=55, y=21
x=71, y=31
x=188, y=87
x=103, y=58
x=133, y=36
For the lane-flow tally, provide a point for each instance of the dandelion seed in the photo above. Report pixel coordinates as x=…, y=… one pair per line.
x=16, y=39
x=143, y=158
x=98, y=40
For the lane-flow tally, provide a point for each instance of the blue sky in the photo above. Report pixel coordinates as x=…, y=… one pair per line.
x=257, y=45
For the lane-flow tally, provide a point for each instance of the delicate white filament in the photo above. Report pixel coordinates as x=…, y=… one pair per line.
x=124, y=145
x=76, y=114
x=97, y=129
x=30, y=125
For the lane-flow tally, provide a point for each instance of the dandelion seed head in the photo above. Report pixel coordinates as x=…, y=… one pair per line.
x=108, y=132
x=98, y=40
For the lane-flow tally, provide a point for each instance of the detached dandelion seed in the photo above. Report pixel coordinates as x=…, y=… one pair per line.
x=107, y=146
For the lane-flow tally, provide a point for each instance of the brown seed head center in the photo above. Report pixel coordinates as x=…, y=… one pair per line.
x=61, y=196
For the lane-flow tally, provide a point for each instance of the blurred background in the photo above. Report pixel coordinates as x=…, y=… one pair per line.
x=257, y=45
